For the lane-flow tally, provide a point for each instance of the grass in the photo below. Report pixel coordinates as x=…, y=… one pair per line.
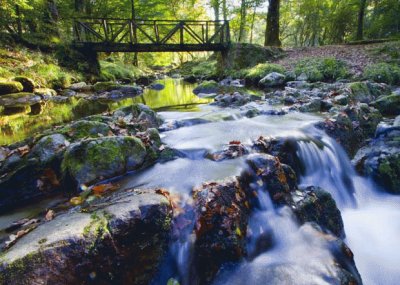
x=383, y=73
x=113, y=71
x=322, y=69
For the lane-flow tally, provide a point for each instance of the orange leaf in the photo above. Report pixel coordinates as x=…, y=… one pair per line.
x=101, y=189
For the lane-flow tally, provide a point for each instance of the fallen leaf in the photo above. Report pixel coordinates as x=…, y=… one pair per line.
x=23, y=150
x=101, y=189
x=76, y=201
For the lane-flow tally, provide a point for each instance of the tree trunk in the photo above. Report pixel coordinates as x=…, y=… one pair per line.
x=360, y=24
x=242, y=27
x=224, y=10
x=252, y=24
x=19, y=24
x=272, y=28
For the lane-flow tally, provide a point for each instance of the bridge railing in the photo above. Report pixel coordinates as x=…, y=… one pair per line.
x=157, y=32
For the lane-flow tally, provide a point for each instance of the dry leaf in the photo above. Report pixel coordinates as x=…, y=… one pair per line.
x=101, y=189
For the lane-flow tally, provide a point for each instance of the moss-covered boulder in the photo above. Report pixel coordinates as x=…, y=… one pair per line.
x=19, y=99
x=10, y=87
x=366, y=92
x=105, y=86
x=92, y=160
x=313, y=204
x=119, y=239
x=27, y=83
x=388, y=105
x=139, y=116
x=45, y=92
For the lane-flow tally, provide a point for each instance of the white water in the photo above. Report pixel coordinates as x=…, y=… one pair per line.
x=298, y=255
x=372, y=225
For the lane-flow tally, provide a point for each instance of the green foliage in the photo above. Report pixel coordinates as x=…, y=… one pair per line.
x=322, y=69
x=259, y=71
x=203, y=68
x=112, y=71
x=383, y=72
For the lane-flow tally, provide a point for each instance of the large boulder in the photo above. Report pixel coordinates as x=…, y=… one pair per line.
x=221, y=215
x=10, y=87
x=388, y=105
x=119, y=239
x=206, y=87
x=380, y=159
x=92, y=160
x=85, y=129
x=20, y=99
x=366, y=92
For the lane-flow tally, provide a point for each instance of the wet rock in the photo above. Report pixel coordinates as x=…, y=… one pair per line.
x=142, y=115
x=221, y=215
x=233, y=150
x=119, y=239
x=61, y=99
x=91, y=160
x=266, y=173
x=388, y=105
x=313, y=106
x=313, y=204
x=19, y=99
x=80, y=87
x=157, y=86
x=206, y=87
x=380, y=159
x=68, y=93
x=45, y=93
x=341, y=100
x=273, y=79
x=234, y=99
x=232, y=82
x=27, y=83
x=10, y=87
x=85, y=129
x=298, y=84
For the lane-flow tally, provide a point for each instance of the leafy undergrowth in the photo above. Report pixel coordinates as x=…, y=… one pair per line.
x=322, y=69
x=204, y=68
x=116, y=70
x=42, y=68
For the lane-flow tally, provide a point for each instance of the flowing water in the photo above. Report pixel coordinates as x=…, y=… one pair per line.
x=297, y=255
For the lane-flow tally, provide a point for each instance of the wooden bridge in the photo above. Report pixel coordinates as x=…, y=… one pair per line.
x=127, y=35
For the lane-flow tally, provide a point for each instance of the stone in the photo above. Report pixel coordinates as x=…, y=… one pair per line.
x=47, y=147
x=273, y=79
x=80, y=86
x=45, y=93
x=366, y=92
x=313, y=106
x=341, y=100
x=206, y=87
x=27, y=83
x=10, y=87
x=119, y=239
x=92, y=160
x=157, y=86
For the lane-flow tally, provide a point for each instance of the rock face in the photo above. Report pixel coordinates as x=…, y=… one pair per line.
x=90, y=160
x=380, y=159
x=122, y=241
x=221, y=215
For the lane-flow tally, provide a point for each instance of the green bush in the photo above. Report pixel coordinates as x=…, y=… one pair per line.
x=383, y=73
x=256, y=73
x=322, y=69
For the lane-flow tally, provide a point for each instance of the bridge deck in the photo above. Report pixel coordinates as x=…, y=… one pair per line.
x=125, y=35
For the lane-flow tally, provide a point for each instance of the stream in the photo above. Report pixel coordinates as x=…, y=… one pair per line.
x=371, y=217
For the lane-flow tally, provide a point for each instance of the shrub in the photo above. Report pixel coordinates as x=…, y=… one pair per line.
x=256, y=73
x=383, y=73
x=112, y=71
x=322, y=69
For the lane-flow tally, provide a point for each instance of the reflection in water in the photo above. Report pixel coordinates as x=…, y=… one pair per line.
x=176, y=95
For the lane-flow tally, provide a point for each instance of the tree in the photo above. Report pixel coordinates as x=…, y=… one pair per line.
x=242, y=27
x=272, y=27
x=360, y=24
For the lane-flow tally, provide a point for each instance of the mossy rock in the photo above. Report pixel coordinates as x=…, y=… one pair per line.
x=258, y=72
x=10, y=87
x=85, y=129
x=388, y=105
x=96, y=159
x=27, y=83
x=366, y=92
x=105, y=86
x=45, y=92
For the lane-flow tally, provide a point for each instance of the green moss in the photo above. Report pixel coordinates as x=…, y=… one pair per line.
x=112, y=71
x=10, y=87
x=84, y=129
x=322, y=69
x=256, y=73
x=383, y=73
x=388, y=105
x=105, y=86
